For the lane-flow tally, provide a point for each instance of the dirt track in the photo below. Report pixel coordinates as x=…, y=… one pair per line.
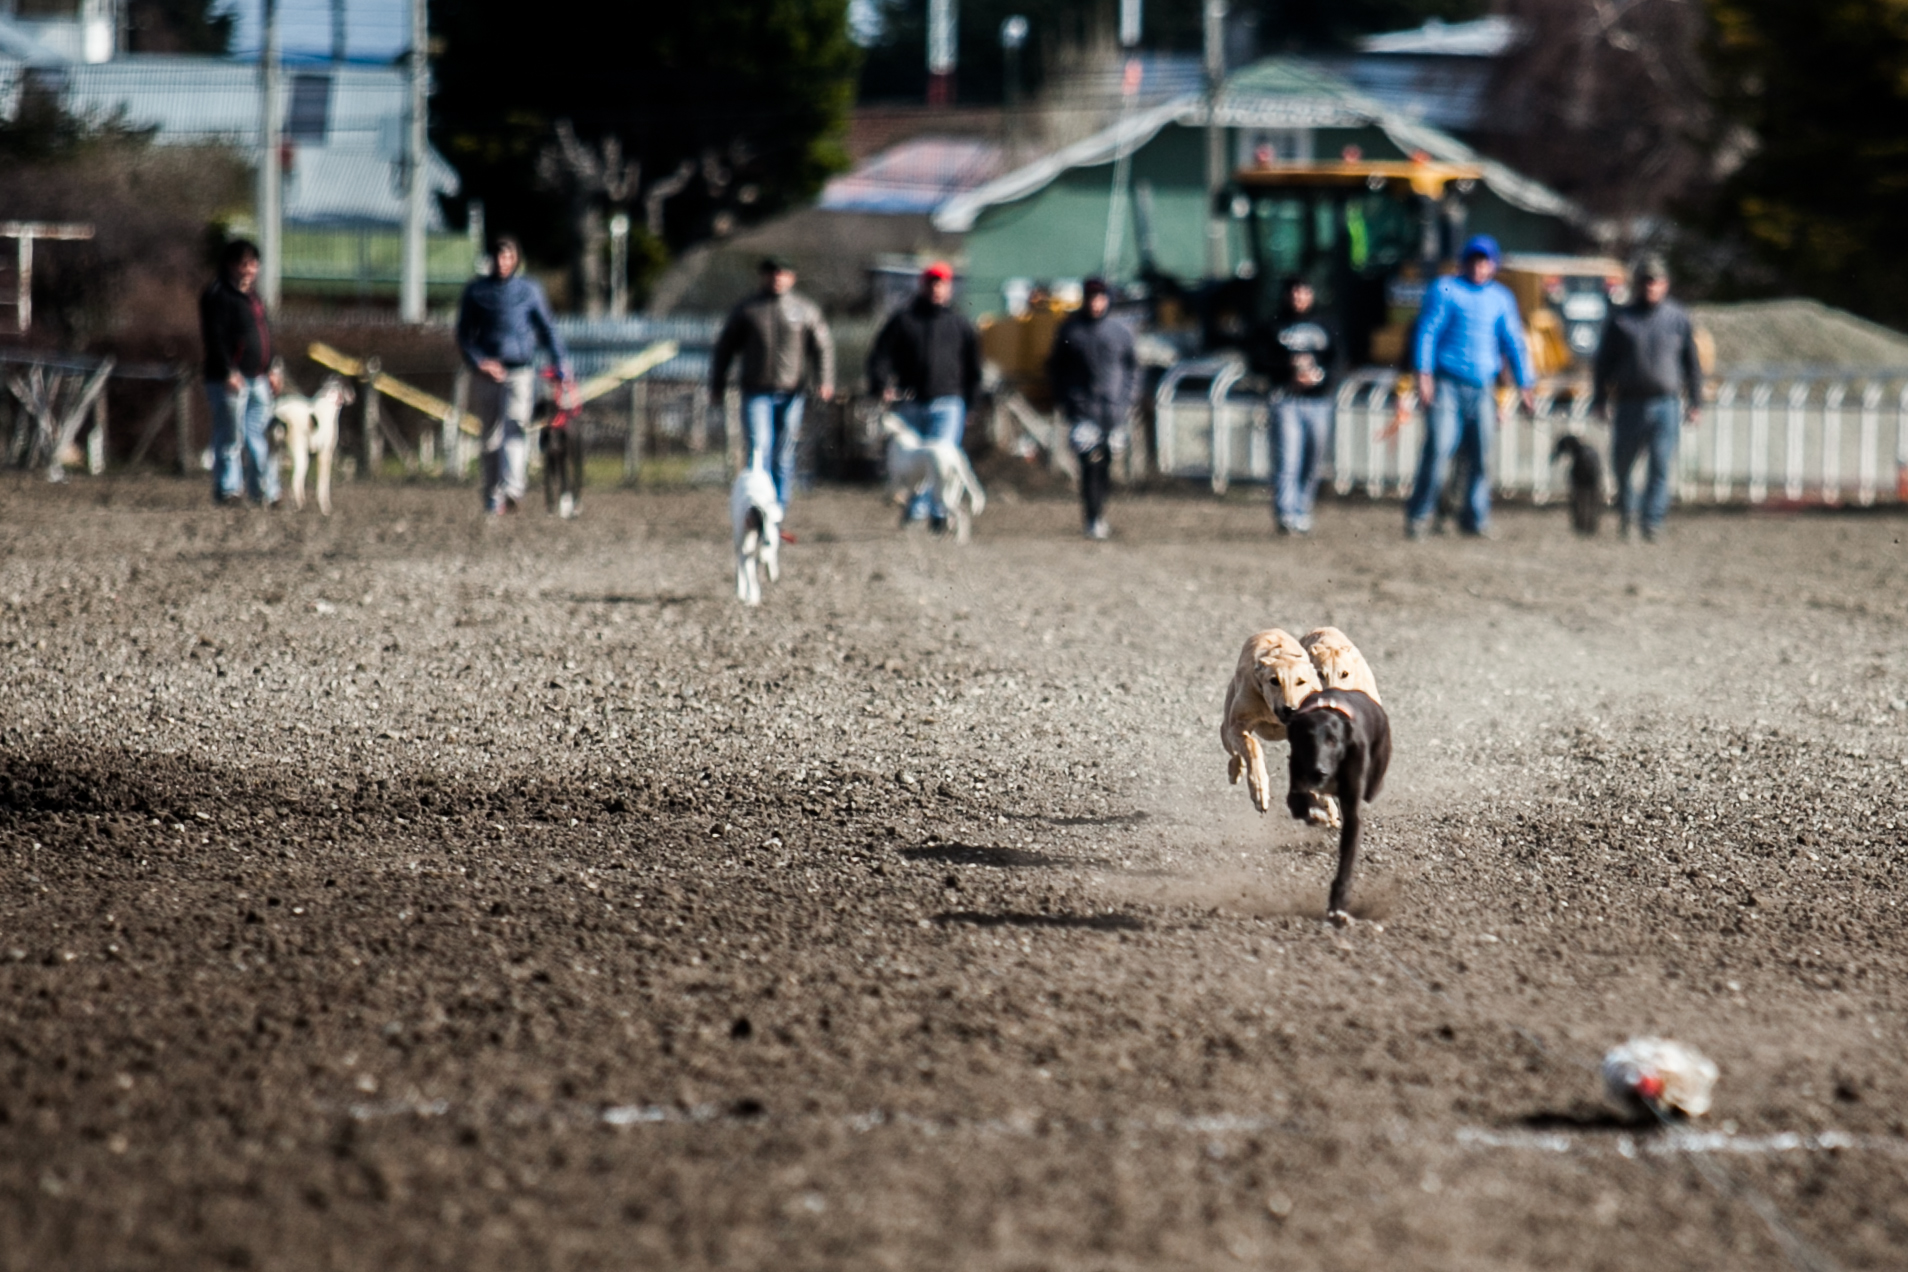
x=398, y=891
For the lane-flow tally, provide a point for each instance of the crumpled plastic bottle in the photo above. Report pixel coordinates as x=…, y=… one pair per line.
x=1660, y=1076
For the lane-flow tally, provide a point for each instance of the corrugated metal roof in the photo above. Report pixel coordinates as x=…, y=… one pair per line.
x=916, y=176
x=1485, y=37
x=1280, y=92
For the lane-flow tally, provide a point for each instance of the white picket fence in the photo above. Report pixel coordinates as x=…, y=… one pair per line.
x=1800, y=437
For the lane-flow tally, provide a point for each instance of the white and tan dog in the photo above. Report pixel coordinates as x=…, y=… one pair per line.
x=916, y=464
x=756, y=515
x=1273, y=678
x=1339, y=664
x=311, y=428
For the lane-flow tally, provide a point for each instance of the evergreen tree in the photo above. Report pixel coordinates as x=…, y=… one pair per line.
x=1822, y=90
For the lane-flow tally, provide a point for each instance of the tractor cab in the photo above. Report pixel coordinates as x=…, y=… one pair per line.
x=1366, y=235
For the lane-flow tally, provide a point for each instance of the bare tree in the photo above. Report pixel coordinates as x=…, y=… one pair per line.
x=596, y=178
x=1608, y=102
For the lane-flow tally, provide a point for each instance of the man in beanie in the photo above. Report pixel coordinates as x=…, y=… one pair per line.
x=1647, y=367
x=779, y=335
x=926, y=360
x=1468, y=330
x=1095, y=376
x=502, y=320
x=1301, y=355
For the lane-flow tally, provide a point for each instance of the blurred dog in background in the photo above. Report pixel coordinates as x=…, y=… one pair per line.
x=311, y=428
x=756, y=516
x=1586, y=482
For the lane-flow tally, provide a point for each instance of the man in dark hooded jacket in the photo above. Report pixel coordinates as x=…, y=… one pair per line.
x=1095, y=377
x=926, y=361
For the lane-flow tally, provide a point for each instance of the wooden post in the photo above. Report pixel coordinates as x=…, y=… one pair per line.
x=734, y=446
x=371, y=424
x=633, y=440
x=96, y=440
x=698, y=422
x=182, y=422
x=453, y=427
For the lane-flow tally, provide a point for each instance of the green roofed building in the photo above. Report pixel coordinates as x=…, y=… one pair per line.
x=1047, y=221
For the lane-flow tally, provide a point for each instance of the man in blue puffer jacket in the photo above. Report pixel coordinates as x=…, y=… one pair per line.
x=1468, y=329
x=501, y=321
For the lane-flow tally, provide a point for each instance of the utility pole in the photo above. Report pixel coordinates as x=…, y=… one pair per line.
x=943, y=50
x=337, y=33
x=416, y=185
x=1013, y=36
x=271, y=172
x=1216, y=256
x=1123, y=150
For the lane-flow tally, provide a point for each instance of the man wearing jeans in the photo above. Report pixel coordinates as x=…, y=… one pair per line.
x=1300, y=356
x=501, y=321
x=929, y=355
x=239, y=379
x=1468, y=329
x=778, y=333
x=1647, y=364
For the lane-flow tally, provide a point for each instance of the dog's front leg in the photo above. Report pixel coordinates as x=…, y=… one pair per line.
x=1351, y=782
x=301, y=463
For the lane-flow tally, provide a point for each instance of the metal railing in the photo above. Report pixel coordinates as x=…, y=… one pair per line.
x=1796, y=436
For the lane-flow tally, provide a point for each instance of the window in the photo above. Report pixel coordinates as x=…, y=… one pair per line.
x=310, y=117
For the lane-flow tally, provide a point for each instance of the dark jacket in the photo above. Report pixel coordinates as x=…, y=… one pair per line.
x=1289, y=344
x=776, y=336
x=237, y=335
x=506, y=319
x=1648, y=351
x=926, y=351
x=1092, y=369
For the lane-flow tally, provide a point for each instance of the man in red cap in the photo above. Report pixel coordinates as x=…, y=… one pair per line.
x=926, y=360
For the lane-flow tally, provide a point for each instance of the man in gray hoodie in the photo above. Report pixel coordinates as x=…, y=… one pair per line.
x=1647, y=369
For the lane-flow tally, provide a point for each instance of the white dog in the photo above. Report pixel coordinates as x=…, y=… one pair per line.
x=915, y=465
x=756, y=514
x=311, y=428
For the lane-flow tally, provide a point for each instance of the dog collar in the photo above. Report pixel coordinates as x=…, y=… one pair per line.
x=1339, y=707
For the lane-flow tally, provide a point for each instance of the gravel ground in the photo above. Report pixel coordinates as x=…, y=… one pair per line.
x=397, y=891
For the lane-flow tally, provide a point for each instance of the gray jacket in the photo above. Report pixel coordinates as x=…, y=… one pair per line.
x=1648, y=351
x=776, y=336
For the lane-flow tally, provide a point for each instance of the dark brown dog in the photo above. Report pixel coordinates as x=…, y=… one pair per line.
x=563, y=466
x=1586, y=483
x=1341, y=745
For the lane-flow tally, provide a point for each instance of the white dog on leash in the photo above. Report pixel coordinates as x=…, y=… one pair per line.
x=756, y=514
x=311, y=428
x=915, y=465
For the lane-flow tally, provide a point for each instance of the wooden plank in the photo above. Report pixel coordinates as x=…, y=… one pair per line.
x=392, y=387
x=628, y=369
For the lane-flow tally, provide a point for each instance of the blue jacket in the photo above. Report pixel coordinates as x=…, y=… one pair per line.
x=506, y=319
x=1468, y=332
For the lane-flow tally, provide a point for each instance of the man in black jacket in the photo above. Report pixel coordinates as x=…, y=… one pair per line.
x=239, y=379
x=1095, y=376
x=1647, y=365
x=1300, y=355
x=928, y=355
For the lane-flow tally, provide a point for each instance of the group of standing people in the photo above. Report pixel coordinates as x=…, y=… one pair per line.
x=925, y=364
x=1646, y=379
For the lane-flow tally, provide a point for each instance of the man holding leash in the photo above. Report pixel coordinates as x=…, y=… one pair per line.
x=1095, y=377
x=501, y=321
x=240, y=380
x=1467, y=330
x=1647, y=365
x=930, y=356
x=777, y=333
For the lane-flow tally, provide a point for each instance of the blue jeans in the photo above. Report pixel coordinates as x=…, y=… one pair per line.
x=1652, y=424
x=241, y=450
x=1463, y=418
x=1301, y=430
x=941, y=419
x=774, y=421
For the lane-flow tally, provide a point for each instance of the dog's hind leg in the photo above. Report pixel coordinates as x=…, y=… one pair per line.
x=324, y=480
x=301, y=463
